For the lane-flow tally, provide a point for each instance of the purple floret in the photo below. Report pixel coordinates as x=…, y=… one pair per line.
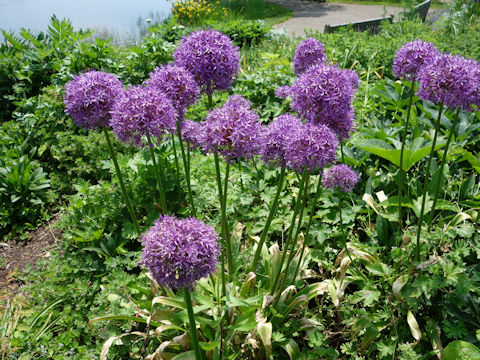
x=308, y=53
x=324, y=95
x=283, y=92
x=178, y=252
x=140, y=112
x=276, y=136
x=177, y=83
x=412, y=57
x=90, y=97
x=450, y=79
x=310, y=147
x=233, y=130
x=210, y=57
x=341, y=176
x=193, y=133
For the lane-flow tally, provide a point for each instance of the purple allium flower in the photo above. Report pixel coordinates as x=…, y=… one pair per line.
x=90, y=97
x=309, y=52
x=324, y=95
x=448, y=79
x=276, y=136
x=340, y=175
x=192, y=133
x=142, y=111
x=178, y=252
x=283, y=92
x=412, y=57
x=233, y=130
x=177, y=83
x=310, y=147
x=211, y=58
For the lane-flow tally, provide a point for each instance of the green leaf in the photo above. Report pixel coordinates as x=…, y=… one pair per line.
x=189, y=355
x=291, y=348
x=461, y=350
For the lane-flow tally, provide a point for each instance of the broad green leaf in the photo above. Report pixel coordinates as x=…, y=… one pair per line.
x=291, y=348
x=189, y=355
x=411, y=156
x=164, y=300
x=265, y=333
x=414, y=328
x=461, y=350
x=106, y=346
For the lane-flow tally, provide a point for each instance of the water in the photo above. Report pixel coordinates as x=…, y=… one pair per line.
x=124, y=20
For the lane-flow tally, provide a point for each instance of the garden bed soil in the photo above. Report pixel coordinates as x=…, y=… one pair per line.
x=17, y=254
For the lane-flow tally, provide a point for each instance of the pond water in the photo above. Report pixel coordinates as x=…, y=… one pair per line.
x=121, y=19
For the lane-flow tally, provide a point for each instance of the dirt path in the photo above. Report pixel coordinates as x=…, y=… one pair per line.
x=315, y=15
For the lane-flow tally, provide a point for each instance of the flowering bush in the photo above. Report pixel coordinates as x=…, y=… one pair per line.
x=196, y=11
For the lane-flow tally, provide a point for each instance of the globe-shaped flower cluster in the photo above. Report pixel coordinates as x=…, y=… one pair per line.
x=178, y=252
x=340, y=176
x=142, y=112
x=308, y=53
x=89, y=98
x=210, y=57
x=412, y=57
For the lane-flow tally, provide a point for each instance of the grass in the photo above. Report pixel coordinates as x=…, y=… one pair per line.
x=276, y=14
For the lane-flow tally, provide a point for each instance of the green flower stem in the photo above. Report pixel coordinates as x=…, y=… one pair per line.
x=241, y=177
x=177, y=166
x=186, y=167
x=344, y=237
x=298, y=203
x=442, y=165
x=310, y=220
x=426, y=182
x=193, y=328
x=222, y=224
x=341, y=151
x=161, y=192
x=225, y=234
x=401, y=171
x=271, y=214
x=291, y=251
x=227, y=227
x=126, y=198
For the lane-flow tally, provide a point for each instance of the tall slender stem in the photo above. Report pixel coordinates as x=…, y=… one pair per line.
x=271, y=214
x=341, y=151
x=426, y=182
x=224, y=215
x=222, y=223
x=193, y=327
x=177, y=166
x=442, y=165
x=401, y=171
x=126, y=198
x=186, y=167
x=309, y=224
x=161, y=192
x=290, y=230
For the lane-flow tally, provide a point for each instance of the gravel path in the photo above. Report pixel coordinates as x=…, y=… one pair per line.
x=315, y=15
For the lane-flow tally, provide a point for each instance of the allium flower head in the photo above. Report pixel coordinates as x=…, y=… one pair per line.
x=450, y=79
x=178, y=252
x=309, y=52
x=177, y=83
x=275, y=138
x=142, y=111
x=310, y=147
x=233, y=130
x=210, y=57
x=341, y=176
x=324, y=95
x=283, y=92
x=412, y=57
x=193, y=133
x=89, y=98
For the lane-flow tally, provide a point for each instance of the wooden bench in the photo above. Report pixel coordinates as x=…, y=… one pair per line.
x=372, y=25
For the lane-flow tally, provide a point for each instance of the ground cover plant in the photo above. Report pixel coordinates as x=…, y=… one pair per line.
x=296, y=201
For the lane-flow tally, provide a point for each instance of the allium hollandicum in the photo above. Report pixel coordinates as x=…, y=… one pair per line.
x=451, y=80
x=142, y=111
x=310, y=147
x=90, y=97
x=210, y=57
x=341, y=176
x=412, y=57
x=283, y=92
x=308, y=53
x=178, y=252
x=193, y=133
x=177, y=83
x=275, y=137
x=233, y=130
x=324, y=95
